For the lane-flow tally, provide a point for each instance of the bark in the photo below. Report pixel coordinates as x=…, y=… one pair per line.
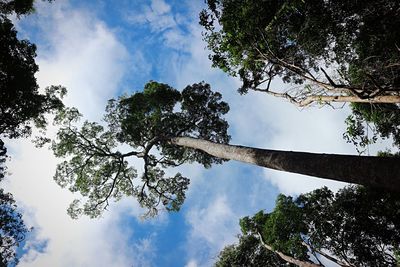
x=288, y=258
x=373, y=171
x=329, y=257
x=307, y=101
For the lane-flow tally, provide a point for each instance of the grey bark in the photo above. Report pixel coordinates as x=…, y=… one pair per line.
x=286, y=257
x=374, y=171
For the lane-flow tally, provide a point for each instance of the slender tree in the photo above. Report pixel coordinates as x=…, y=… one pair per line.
x=298, y=41
x=166, y=128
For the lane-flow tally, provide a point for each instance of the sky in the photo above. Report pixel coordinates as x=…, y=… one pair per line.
x=101, y=49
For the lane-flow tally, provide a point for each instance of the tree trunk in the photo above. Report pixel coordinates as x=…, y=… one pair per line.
x=381, y=172
x=287, y=258
x=321, y=99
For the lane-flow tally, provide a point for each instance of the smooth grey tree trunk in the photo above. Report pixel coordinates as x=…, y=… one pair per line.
x=381, y=172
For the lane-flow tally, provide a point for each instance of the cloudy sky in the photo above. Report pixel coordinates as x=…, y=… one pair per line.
x=100, y=49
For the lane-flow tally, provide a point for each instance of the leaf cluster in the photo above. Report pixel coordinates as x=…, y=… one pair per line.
x=248, y=253
x=143, y=124
x=20, y=100
x=357, y=226
x=361, y=226
x=292, y=39
x=370, y=122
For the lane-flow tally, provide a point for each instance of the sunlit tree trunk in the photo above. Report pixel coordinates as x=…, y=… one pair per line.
x=365, y=170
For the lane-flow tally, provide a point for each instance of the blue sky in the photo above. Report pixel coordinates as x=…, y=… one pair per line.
x=100, y=49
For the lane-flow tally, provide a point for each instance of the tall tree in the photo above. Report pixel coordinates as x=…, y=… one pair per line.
x=166, y=128
x=357, y=226
x=259, y=40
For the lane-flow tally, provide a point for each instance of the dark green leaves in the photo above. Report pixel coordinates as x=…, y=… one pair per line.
x=259, y=40
x=248, y=253
x=370, y=122
x=356, y=226
x=20, y=100
x=140, y=126
x=149, y=117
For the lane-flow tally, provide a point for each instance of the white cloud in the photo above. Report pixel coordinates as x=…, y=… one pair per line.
x=83, y=54
x=162, y=21
x=211, y=229
x=191, y=263
x=160, y=7
x=157, y=15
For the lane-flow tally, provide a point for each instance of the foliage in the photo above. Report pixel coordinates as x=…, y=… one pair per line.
x=359, y=225
x=248, y=253
x=20, y=100
x=19, y=7
x=294, y=40
x=20, y=104
x=370, y=122
x=281, y=229
x=356, y=226
x=143, y=123
x=12, y=227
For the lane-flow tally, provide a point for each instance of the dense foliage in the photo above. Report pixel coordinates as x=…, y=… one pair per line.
x=294, y=40
x=370, y=122
x=20, y=100
x=356, y=226
x=142, y=124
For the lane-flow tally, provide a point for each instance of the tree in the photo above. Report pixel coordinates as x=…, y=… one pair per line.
x=166, y=128
x=12, y=227
x=144, y=122
x=259, y=40
x=357, y=226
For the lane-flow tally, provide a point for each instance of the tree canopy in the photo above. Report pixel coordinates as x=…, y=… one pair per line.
x=259, y=40
x=166, y=128
x=145, y=123
x=20, y=99
x=356, y=226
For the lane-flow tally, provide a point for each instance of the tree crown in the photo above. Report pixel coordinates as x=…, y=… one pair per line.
x=145, y=122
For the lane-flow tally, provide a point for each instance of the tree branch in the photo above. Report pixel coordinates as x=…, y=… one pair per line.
x=287, y=258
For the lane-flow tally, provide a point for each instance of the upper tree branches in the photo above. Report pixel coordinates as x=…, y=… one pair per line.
x=295, y=40
x=164, y=128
